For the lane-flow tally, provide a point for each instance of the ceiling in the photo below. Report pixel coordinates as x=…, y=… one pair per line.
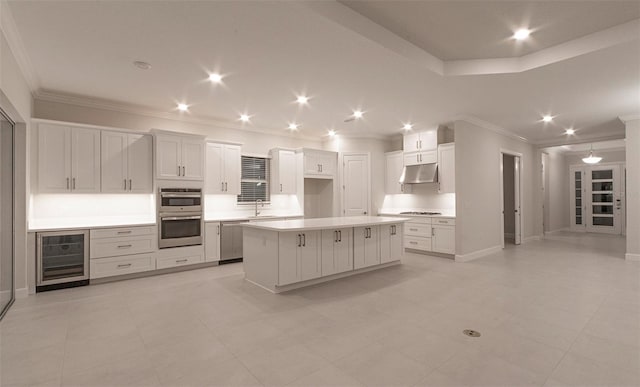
x=460, y=30
x=612, y=145
x=270, y=52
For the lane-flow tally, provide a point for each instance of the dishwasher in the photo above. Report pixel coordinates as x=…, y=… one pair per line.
x=231, y=241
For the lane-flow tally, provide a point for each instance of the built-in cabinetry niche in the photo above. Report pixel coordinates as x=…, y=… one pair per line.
x=318, y=198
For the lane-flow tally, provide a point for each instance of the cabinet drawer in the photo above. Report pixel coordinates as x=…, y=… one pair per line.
x=163, y=263
x=107, y=267
x=111, y=247
x=417, y=229
x=444, y=221
x=417, y=243
x=122, y=232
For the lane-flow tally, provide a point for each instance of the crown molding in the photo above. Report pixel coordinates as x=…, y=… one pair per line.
x=492, y=127
x=581, y=140
x=627, y=118
x=121, y=107
x=16, y=45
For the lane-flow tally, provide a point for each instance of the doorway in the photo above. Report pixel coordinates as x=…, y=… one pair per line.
x=7, y=258
x=511, y=197
x=355, y=184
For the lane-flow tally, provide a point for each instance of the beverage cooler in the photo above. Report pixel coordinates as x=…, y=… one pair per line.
x=63, y=259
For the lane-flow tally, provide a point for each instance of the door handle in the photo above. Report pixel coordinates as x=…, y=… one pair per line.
x=320, y=167
x=299, y=240
x=125, y=184
x=335, y=236
x=226, y=186
x=124, y=246
x=433, y=232
x=67, y=183
x=125, y=232
x=124, y=265
x=130, y=185
x=417, y=146
x=280, y=187
x=181, y=260
x=365, y=212
x=417, y=158
x=218, y=230
x=339, y=235
x=74, y=182
x=178, y=170
x=304, y=240
x=183, y=171
x=420, y=144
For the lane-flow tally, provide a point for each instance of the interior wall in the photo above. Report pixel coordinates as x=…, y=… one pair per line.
x=633, y=189
x=478, y=207
x=376, y=148
x=508, y=172
x=16, y=100
x=557, y=189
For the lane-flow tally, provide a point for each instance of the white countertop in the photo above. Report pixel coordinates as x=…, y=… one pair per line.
x=324, y=223
x=444, y=213
x=83, y=223
x=222, y=217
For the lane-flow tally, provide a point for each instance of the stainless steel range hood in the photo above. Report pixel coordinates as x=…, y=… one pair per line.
x=418, y=174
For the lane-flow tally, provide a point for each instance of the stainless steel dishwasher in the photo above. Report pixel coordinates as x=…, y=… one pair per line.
x=231, y=241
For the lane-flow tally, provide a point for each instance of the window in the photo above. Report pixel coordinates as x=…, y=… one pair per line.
x=254, y=183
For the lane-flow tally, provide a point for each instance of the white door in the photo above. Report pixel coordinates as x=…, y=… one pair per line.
x=372, y=247
x=355, y=182
x=328, y=252
x=517, y=204
x=343, y=252
x=393, y=172
x=168, y=157
x=232, y=171
x=309, y=257
x=212, y=241
x=412, y=158
x=114, y=162
x=390, y=243
x=578, y=195
x=443, y=239
x=287, y=172
x=604, y=212
x=311, y=164
x=360, y=235
x=428, y=140
x=289, y=244
x=192, y=159
x=447, y=168
x=327, y=163
x=215, y=168
x=85, y=160
x=54, y=158
x=411, y=142
x=140, y=163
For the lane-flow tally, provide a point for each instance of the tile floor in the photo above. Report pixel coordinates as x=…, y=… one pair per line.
x=564, y=311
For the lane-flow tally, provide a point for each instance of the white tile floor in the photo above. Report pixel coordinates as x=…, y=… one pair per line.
x=564, y=311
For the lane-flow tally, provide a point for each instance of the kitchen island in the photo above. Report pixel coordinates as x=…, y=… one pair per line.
x=289, y=254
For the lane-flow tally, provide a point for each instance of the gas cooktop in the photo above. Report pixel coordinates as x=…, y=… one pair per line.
x=420, y=213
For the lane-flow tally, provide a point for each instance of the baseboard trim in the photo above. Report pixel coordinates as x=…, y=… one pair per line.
x=632, y=257
x=532, y=238
x=22, y=293
x=477, y=254
x=558, y=230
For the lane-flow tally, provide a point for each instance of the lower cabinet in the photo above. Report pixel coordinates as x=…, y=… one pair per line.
x=212, y=241
x=443, y=239
x=390, y=242
x=431, y=234
x=299, y=258
x=178, y=260
x=128, y=264
x=337, y=251
x=366, y=251
x=122, y=250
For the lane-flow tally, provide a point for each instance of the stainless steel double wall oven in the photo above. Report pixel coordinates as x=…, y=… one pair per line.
x=180, y=217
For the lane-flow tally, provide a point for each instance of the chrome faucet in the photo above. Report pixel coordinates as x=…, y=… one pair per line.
x=261, y=204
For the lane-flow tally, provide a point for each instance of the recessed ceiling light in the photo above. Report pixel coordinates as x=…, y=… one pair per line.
x=522, y=34
x=142, y=65
x=183, y=107
x=215, y=77
x=570, y=131
x=302, y=100
x=245, y=117
x=407, y=126
x=357, y=113
x=332, y=133
x=547, y=118
x=293, y=126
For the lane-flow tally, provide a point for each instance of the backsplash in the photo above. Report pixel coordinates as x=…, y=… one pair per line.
x=422, y=197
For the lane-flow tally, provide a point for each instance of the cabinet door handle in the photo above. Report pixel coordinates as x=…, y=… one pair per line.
x=218, y=230
x=339, y=235
x=124, y=265
x=433, y=231
x=221, y=186
x=413, y=243
x=74, y=182
x=335, y=236
x=304, y=240
x=320, y=167
x=181, y=260
x=130, y=185
x=178, y=170
x=124, y=246
x=67, y=183
x=299, y=240
x=226, y=187
x=417, y=146
x=183, y=171
x=413, y=229
x=124, y=232
x=280, y=187
x=125, y=184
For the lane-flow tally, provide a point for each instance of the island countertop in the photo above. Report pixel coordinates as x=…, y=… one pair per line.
x=324, y=223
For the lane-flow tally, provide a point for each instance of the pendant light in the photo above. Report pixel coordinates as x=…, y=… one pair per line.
x=592, y=159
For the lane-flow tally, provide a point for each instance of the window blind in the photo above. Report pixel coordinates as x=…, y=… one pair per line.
x=254, y=182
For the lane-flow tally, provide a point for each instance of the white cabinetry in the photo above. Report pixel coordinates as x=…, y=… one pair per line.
x=179, y=157
x=394, y=165
x=422, y=157
x=366, y=251
x=223, y=169
x=126, y=162
x=443, y=239
x=421, y=141
x=431, y=234
x=337, y=251
x=319, y=164
x=68, y=159
x=283, y=171
x=299, y=258
x=122, y=250
x=417, y=234
x=179, y=256
x=212, y=241
x=447, y=168
x=390, y=243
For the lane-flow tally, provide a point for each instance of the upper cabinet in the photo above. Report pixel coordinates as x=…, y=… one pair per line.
x=283, y=171
x=68, y=159
x=421, y=141
x=447, y=168
x=179, y=157
x=127, y=162
x=394, y=165
x=223, y=169
x=319, y=164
